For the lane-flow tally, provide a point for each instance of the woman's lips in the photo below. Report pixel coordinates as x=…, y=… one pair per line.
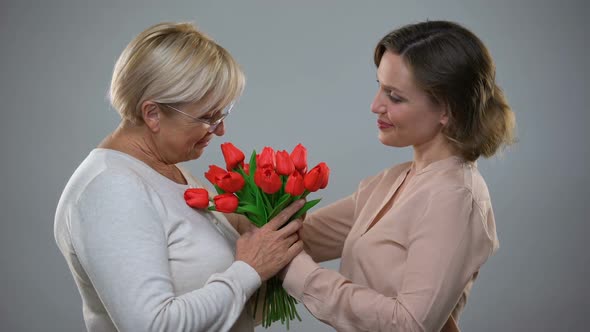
x=383, y=125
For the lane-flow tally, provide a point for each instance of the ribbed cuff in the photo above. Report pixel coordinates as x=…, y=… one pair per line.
x=297, y=272
x=246, y=276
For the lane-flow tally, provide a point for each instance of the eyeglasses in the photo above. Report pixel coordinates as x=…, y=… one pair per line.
x=213, y=120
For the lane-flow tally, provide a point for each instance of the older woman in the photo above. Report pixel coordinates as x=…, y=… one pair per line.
x=142, y=259
x=413, y=238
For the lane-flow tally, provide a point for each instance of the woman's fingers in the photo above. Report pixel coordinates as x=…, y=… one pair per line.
x=284, y=215
x=268, y=249
x=294, y=250
x=291, y=240
x=290, y=228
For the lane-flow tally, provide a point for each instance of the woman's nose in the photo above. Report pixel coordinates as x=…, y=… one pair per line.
x=377, y=106
x=220, y=130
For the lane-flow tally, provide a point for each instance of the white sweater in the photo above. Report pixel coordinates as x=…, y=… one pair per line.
x=142, y=259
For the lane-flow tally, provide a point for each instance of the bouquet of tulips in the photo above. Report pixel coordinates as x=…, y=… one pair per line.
x=260, y=190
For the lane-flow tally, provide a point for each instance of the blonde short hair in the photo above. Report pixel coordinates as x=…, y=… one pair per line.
x=173, y=63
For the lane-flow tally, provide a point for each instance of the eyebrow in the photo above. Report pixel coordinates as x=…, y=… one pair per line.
x=389, y=87
x=210, y=113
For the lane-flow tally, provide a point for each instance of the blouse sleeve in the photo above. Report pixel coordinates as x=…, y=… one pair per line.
x=120, y=241
x=447, y=246
x=325, y=230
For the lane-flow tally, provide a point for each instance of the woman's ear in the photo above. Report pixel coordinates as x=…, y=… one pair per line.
x=444, y=115
x=150, y=112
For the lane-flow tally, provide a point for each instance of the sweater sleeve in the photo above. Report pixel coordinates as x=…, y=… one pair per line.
x=446, y=247
x=119, y=239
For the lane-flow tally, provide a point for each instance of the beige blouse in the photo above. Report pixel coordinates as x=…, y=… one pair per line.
x=413, y=269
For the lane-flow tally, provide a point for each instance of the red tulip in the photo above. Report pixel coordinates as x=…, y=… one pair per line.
x=266, y=158
x=197, y=198
x=268, y=180
x=317, y=178
x=214, y=173
x=247, y=169
x=231, y=182
x=295, y=186
x=284, y=163
x=299, y=157
x=227, y=203
x=232, y=155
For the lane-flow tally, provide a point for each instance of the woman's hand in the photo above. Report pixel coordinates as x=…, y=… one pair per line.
x=268, y=249
x=240, y=223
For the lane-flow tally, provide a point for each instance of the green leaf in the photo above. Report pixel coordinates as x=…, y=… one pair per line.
x=252, y=164
x=284, y=199
x=306, y=206
x=250, y=185
x=240, y=171
x=255, y=219
x=219, y=190
x=260, y=203
x=267, y=204
x=244, y=202
x=251, y=209
x=283, y=202
x=245, y=195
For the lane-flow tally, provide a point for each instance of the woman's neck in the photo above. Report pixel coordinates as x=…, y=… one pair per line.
x=432, y=151
x=135, y=141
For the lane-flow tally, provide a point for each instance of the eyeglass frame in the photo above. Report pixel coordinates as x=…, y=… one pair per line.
x=212, y=125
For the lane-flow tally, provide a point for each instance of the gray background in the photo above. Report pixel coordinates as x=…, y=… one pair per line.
x=310, y=80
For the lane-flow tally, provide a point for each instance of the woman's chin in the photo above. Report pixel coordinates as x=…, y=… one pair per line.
x=390, y=141
x=384, y=139
x=196, y=152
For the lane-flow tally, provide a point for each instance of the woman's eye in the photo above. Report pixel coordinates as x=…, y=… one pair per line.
x=209, y=116
x=394, y=98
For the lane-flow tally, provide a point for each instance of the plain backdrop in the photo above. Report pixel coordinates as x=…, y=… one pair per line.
x=310, y=80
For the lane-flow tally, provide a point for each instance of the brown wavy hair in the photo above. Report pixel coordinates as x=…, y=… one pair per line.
x=454, y=68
